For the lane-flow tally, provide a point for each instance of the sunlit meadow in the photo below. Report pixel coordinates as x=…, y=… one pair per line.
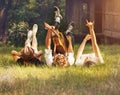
x=102, y=79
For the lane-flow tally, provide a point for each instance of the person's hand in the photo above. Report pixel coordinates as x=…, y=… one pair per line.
x=88, y=37
x=90, y=24
x=13, y=52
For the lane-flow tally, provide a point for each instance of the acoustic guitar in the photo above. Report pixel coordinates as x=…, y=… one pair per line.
x=59, y=40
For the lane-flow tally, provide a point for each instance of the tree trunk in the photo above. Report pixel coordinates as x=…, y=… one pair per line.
x=3, y=18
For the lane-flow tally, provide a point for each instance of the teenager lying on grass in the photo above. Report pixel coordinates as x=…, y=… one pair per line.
x=30, y=53
x=61, y=55
x=58, y=59
x=68, y=58
x=87, y=59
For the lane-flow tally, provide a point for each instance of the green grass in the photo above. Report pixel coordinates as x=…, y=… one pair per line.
x=103, y=79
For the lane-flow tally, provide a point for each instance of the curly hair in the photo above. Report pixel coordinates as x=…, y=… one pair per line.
x=60, y=60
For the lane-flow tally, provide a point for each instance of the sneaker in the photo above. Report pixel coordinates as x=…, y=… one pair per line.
x=70, y=28
x=71, y=24
x=69, y=32
x=56, y=8
x=58, y=16
x=35, y=28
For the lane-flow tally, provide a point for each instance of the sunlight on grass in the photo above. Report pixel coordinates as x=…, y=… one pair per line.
x=102, y=79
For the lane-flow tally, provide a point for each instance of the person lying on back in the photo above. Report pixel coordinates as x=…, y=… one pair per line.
x=30, y=53
x=62, y=58
x=91, y=58
x=63, y=55
x=81, y=59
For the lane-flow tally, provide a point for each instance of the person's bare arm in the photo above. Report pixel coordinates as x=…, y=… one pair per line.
x=13, y=52
x=81, y=47
x=94, y=41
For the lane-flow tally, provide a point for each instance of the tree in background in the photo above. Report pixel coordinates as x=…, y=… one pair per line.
x=22, y=14
x=4, y=9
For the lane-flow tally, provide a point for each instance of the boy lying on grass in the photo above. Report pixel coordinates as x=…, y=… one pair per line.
x=30, y=53
x=61, y=55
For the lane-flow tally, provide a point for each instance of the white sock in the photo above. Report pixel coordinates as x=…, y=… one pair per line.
x=35, y=28
x=29, y=35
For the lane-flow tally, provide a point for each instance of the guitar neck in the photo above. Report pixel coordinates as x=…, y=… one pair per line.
x=47, y=26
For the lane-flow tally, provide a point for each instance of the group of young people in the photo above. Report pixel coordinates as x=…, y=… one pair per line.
x=30, y=54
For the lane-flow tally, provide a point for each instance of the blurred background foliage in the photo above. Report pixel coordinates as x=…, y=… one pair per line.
x=22, y=14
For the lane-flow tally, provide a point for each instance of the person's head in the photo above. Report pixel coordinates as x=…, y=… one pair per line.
x=89, y=63
x=60, y=60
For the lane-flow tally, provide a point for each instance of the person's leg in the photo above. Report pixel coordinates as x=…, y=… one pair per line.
x=28, y=42
x=58, y=17
x=34, y=40
x=94, y=42
x=69, y=32
x=70, y=51
x=70, y=28
x=29, y=38
x=70, y=47
x=48, y=40
x=48, y=51
x=37, y=54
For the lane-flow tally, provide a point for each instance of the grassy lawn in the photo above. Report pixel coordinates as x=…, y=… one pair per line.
x=103, y=79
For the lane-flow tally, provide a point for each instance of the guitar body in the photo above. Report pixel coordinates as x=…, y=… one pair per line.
x=59, y=43
x=59, y=40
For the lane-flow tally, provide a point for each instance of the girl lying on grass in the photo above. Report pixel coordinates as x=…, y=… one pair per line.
x=30, y=53
x=61, y=55
x=58, y=58
x=86, y=59
x=68, y=58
